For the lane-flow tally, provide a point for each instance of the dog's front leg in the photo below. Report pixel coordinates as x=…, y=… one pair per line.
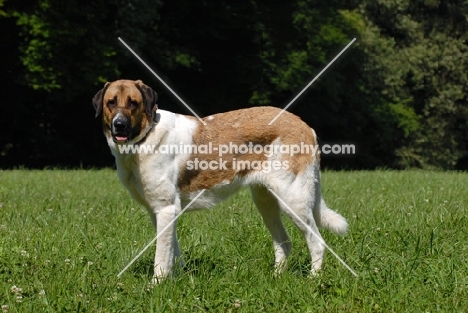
x=167, y=247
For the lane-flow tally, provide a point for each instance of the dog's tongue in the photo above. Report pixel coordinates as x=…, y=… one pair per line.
x=121, y=138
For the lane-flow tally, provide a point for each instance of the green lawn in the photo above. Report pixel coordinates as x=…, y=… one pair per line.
x=65, y=235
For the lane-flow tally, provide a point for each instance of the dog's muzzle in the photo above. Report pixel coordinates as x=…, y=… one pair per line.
x=120, y=128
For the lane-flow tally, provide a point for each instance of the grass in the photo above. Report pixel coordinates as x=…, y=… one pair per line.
x=65, y=235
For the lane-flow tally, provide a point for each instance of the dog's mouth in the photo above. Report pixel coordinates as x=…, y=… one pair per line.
x=120, y=138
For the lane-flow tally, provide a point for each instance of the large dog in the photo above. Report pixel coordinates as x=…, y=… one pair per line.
x=183, y=156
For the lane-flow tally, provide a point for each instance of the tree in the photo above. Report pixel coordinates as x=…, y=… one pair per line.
x=67, y=51
x=399, y=93
x=418, y=63
x=339, y=105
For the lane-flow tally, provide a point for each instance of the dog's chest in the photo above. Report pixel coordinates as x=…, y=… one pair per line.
x=146, y=180
x=130, y=176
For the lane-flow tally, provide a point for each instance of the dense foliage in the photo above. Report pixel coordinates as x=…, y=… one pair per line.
x=399, y=93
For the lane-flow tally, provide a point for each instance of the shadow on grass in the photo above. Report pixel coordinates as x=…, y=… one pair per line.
x=300, y=267
x=143, y=266
x=196, y=266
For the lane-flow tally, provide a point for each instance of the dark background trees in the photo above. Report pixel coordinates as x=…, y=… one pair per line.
x=399, y=93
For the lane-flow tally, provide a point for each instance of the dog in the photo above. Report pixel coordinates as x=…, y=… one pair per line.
x=234, y=155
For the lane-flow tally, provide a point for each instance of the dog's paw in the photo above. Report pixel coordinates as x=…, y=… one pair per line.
x=314, y=273
x=280, y=268
x=156, y=280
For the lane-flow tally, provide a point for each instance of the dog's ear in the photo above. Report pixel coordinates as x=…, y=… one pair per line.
x=149, y=97
x=99, y=98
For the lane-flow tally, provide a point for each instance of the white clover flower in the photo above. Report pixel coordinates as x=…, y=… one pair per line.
x=16, y=290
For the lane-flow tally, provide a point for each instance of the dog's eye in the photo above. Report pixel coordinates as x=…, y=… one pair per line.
x=133, y=104
x=111, y=103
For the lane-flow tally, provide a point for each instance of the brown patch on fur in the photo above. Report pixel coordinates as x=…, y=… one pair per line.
x=242, y=127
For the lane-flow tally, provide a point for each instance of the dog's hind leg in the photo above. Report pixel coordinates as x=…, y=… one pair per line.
x=269, y=209
x=298, y=201
x=178, y=257
x=304, y=220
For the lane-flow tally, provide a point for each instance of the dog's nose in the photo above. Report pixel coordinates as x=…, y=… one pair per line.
x=120, y=124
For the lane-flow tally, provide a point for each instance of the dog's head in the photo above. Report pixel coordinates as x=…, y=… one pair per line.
x=128, y=109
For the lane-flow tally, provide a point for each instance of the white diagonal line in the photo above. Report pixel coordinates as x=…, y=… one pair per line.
x=161, y=80
x=312, y=81
x=159, y=234
x=313, y=233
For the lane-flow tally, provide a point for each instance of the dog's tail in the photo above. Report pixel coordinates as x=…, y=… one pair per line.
x=331, y=220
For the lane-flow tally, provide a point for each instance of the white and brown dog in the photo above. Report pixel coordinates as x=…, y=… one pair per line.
x=166, y=182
